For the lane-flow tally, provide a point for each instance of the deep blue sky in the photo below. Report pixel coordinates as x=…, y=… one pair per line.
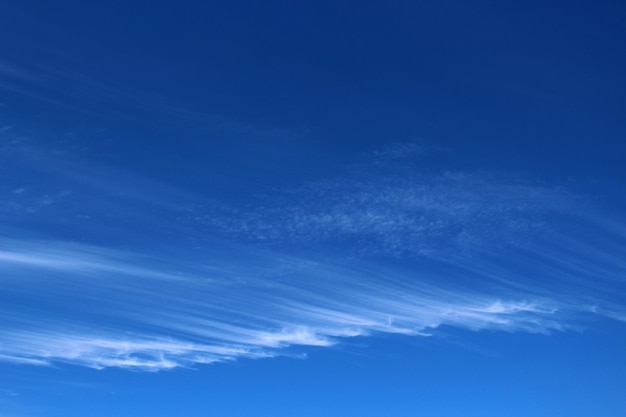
x=312, y=208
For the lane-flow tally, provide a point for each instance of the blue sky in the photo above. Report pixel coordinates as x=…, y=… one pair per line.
x=312, y=209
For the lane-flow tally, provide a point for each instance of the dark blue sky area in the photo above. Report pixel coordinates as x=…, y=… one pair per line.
x=521, y=85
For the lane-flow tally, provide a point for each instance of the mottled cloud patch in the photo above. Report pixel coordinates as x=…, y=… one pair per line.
x=420, y=215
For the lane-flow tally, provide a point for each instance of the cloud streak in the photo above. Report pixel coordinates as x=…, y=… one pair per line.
x=155, y=324
x=365, y=254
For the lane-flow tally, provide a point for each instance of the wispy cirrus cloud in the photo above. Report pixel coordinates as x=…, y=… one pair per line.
x=62, y=83
x=364, y=254
x=151, y=324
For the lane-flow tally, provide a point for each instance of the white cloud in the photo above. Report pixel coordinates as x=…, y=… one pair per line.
x=370, y=254
x=159, y=324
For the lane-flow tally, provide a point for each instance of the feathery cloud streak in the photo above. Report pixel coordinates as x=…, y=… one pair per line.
x=361, y=255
